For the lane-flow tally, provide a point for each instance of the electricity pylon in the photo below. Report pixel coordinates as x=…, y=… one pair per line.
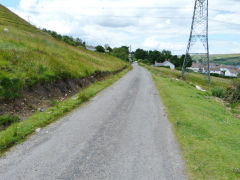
x=198, y=40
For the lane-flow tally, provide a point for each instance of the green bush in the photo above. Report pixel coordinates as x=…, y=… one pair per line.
x=218, y=92
x=167, y=67
x=10, y=87
x=221, y=76
x=144, y=61
x=7, y=120
x=233, y=93
x=179, y=68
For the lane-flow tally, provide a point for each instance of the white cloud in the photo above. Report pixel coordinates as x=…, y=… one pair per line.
x=140, y=23
x=155, y=43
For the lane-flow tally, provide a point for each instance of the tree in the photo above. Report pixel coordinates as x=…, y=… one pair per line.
x=67, y=39
x=154, y=56
x=176, y=61
x=109, y=49
x=78, y=42
x=84, y=44
x=141, y=54
x=166, y=54
x=121, y=52
x=189, y=60
x=99, y=48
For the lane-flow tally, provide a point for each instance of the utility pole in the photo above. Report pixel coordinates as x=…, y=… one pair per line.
x=130, y=55
x=28, y=17
x=199, y=36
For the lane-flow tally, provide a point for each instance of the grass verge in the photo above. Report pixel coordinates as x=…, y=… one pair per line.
x=207, y=132
x=19, y=131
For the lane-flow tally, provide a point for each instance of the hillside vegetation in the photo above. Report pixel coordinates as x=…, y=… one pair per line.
x=195, y=78
x=228, y=59
x=29, y=56
x=207, y=131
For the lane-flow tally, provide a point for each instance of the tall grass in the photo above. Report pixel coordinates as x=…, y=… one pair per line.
x=7, y=120
x=218, y=92
x=29, y=56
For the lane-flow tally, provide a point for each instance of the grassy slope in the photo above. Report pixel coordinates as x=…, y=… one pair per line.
x=228, y=59
x=207, y=132
x=29, y=56
x=196, y=78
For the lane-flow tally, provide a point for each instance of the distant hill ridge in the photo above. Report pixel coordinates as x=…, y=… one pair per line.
x=227, y=59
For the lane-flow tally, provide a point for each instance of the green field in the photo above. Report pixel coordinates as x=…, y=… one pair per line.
x=207, y=131
x=227, y=59
x=29, y=56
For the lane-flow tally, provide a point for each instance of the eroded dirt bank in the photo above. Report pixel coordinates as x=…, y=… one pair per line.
x=42, y=96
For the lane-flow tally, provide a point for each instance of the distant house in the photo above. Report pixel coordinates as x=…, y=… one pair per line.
x=224, y=70
x=214, y=69
x=91, y=48
x=165, y=64
x=229, y=71
x=196, y=67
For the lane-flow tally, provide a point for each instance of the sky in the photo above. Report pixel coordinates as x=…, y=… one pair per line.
x=150, y=24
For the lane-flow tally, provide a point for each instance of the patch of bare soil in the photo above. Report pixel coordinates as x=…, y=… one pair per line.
x=39, y=97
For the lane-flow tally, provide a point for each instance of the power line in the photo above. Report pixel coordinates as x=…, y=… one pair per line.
x=157, y=7
x=151, y=17
x=225, y=22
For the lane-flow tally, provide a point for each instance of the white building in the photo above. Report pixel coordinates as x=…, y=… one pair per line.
x=229, y=72
x=91, y=48
x=224, y=70
x=165, y=64
x=196, y=67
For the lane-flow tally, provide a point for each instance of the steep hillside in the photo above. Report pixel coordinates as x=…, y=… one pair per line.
x=7, y=18
x=29, y=56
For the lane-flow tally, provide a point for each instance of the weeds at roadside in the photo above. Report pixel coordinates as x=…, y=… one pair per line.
x=7, y=120
x=54, y=102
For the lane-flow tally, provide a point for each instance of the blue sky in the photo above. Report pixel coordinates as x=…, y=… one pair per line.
x=151, y=24
x=10, y=3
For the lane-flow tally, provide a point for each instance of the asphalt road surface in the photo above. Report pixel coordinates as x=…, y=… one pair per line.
x=121, y=134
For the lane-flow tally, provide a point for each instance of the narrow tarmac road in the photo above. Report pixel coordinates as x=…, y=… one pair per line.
x=121, y=134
